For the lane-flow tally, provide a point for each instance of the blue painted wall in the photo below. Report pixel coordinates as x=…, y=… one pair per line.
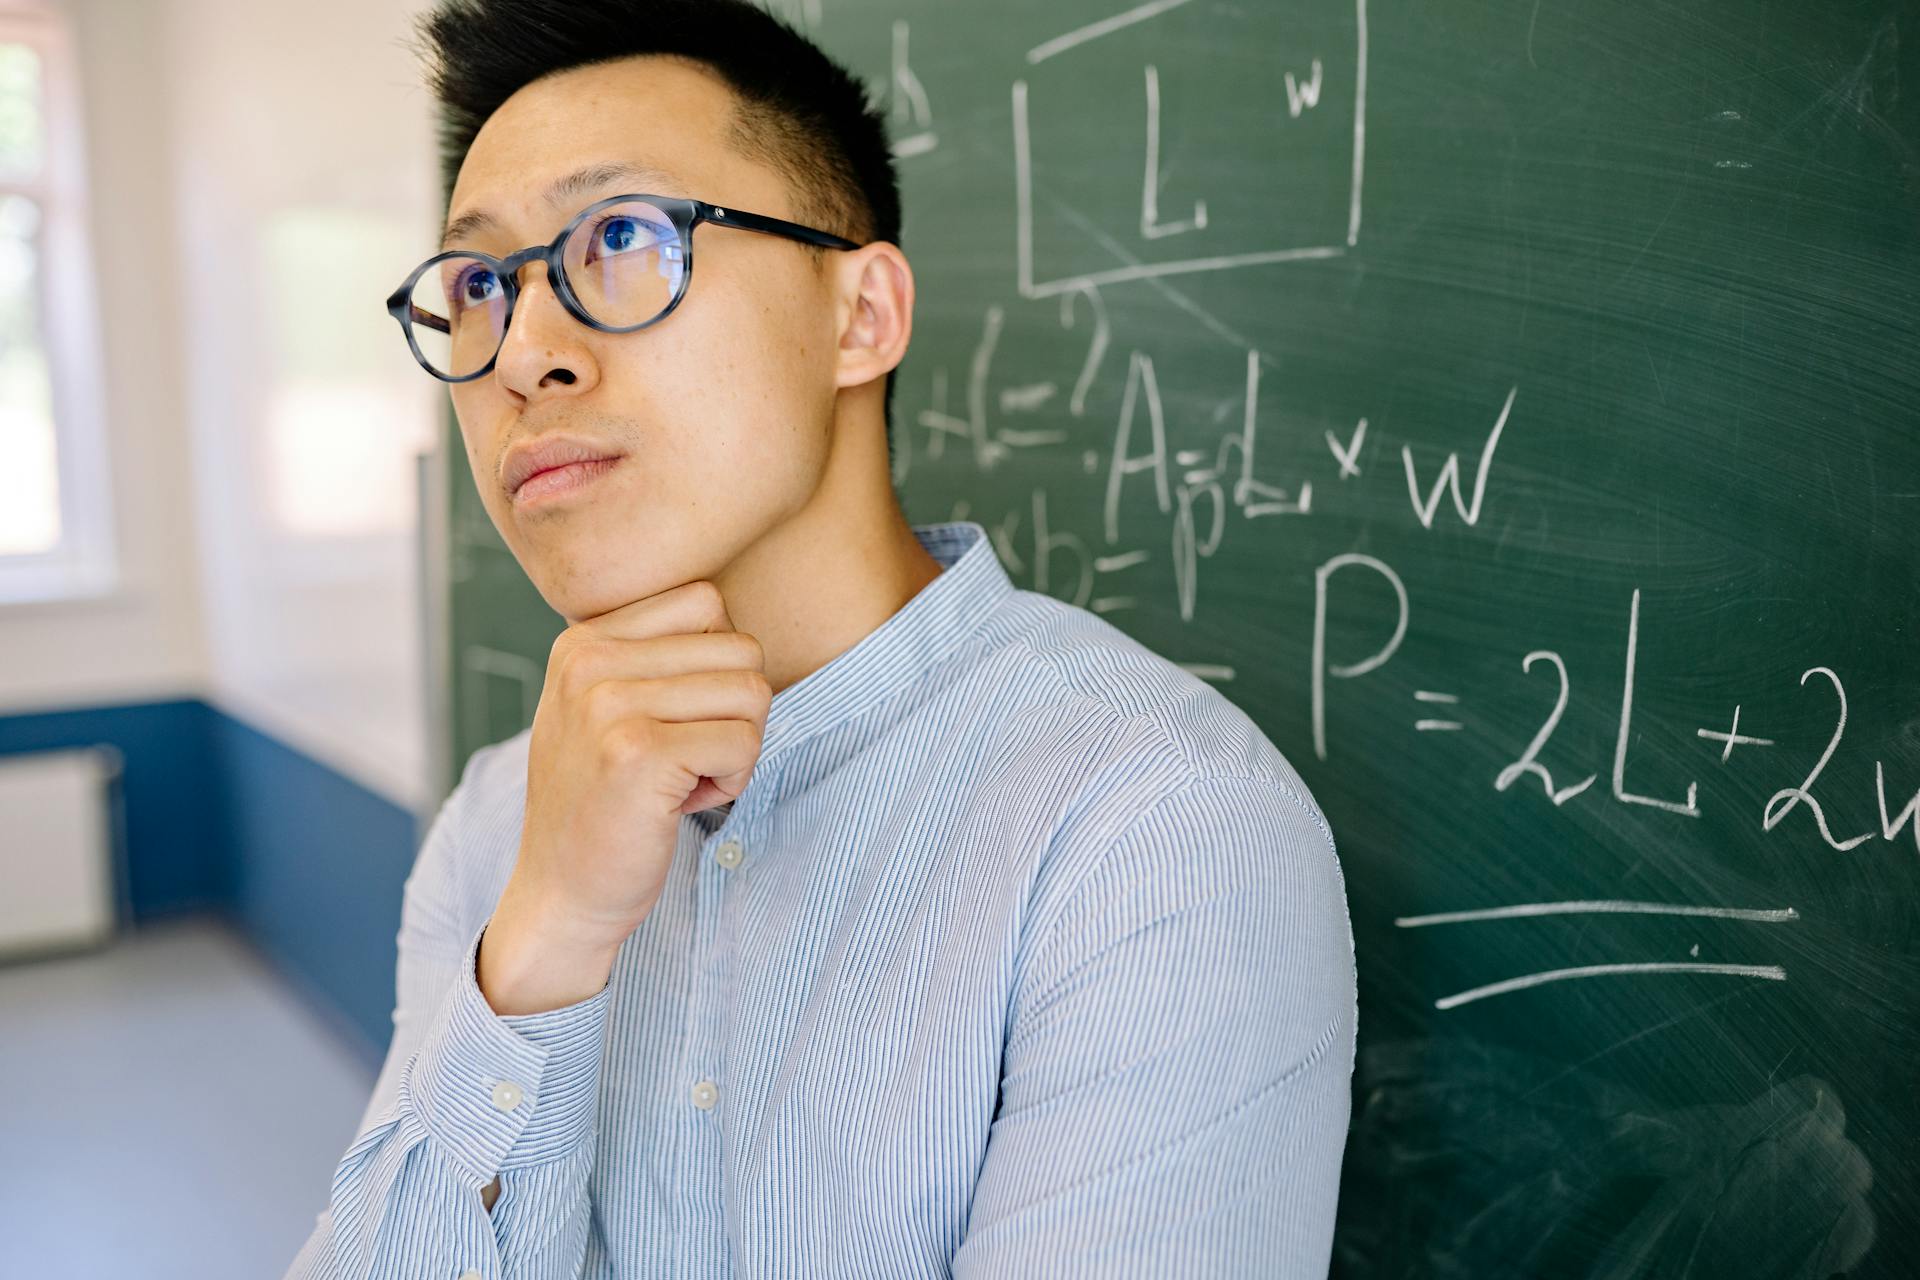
x=221, y=817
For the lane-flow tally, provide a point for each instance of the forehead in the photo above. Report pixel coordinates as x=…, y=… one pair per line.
x=649, y=123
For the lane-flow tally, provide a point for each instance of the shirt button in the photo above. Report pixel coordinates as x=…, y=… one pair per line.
x=705, y=1094
x=507, y=1095
x=471, y=1275
x=728, y=854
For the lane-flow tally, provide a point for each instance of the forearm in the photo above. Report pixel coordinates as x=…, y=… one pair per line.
x=487, y=1134
x=528, y=964
x=519, y=974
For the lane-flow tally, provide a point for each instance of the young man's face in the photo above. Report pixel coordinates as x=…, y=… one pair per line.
x=722, y=411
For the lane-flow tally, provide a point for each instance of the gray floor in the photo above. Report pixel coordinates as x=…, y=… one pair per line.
x=170, y=1110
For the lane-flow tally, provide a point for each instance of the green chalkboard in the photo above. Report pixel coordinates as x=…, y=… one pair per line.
x=1516, y=408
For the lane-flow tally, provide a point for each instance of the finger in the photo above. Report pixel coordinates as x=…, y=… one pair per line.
x=670, y=655
x=715, y=749
x=683, y=699
x=708, y=794
x=690, y=607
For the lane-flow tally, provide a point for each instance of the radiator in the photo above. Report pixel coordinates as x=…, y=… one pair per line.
x=59, y=841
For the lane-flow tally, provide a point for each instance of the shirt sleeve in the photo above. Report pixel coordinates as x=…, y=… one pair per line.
x=464, y=1094
x=1175, y=1086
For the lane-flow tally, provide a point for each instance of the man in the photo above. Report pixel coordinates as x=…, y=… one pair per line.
x=846, y=910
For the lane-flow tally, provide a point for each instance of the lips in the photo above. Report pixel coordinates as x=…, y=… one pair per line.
x=557, y=481
x=530, y=458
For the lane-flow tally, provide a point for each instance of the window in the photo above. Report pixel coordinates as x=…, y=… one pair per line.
x=55, y=532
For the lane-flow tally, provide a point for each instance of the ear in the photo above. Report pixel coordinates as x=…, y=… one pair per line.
x=875, y=311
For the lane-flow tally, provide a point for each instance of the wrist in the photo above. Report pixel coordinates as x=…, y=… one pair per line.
x=527, y=965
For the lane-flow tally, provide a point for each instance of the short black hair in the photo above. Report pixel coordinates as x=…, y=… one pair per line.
x=795, y=108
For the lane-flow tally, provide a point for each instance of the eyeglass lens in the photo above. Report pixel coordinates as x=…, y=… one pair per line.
x=625, y=263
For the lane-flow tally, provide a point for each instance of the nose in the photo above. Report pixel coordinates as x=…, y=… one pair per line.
x=517, y=266
x=543, y=347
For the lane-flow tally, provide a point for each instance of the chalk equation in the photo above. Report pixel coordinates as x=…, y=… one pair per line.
x=1069, y=261
x=1214, y=159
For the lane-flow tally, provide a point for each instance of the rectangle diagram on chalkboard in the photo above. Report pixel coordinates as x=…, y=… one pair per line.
x=1191, y=149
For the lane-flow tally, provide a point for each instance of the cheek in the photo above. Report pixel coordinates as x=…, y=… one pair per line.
x=776, y=318
x=770, y=358
x=472, y=441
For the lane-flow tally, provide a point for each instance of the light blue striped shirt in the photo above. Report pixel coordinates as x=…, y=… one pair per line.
x=1023, y=953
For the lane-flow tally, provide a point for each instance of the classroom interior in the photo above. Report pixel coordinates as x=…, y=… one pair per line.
x=215, y=677
x=1578, y=345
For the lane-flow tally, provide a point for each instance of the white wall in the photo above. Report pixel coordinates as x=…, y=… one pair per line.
x=264, y=413
x=145, y=640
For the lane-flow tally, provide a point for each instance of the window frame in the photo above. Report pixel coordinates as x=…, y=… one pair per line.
x=83, y=563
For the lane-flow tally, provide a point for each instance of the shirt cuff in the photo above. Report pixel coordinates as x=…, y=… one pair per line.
x=500, y=1092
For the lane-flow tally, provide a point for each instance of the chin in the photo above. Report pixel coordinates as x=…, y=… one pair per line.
x=590, y=583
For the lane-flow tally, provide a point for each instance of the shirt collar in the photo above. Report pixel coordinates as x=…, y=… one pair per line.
x=893, y=655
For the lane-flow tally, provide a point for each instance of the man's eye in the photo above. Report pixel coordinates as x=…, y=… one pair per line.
x=624, y=233
x=475, y=286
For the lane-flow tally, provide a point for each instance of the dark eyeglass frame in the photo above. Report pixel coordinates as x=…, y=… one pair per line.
x=685, y=213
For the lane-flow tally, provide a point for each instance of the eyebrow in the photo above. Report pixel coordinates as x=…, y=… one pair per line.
x=565, y=189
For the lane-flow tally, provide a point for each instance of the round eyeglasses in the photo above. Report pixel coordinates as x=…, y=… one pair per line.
x=620, y=264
